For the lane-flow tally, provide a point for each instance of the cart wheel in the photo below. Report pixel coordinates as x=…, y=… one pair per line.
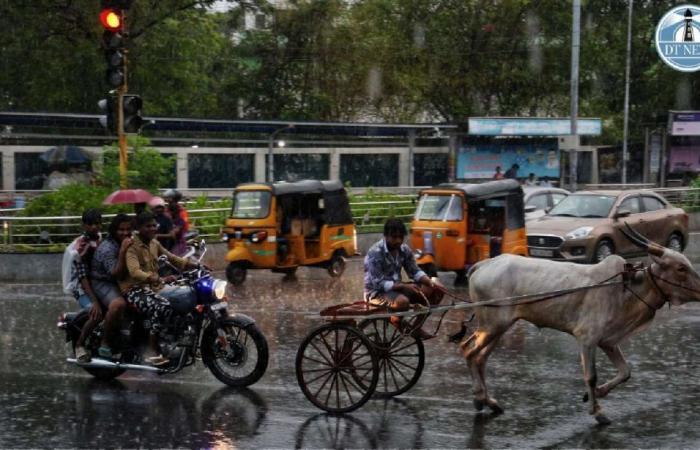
x=401, y=357
x=329, y=363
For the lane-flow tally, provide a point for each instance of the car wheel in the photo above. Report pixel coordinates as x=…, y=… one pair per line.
x=603, y=250
x=675, y=242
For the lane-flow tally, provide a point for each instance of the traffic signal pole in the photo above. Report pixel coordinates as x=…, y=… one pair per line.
x=123, y=151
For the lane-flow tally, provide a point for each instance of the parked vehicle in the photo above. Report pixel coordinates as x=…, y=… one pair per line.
x=457, y=225
x=538, y=200
x=231, y=345
x=585, y=226
x=282, y=226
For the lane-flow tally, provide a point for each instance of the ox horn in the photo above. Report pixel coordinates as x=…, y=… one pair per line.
x=634, y=237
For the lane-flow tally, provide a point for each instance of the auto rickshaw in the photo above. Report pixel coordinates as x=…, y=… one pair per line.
x=458, y=225
x=282, y=226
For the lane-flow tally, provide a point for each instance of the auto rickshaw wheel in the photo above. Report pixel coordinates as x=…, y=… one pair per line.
x=429, y=269
x=336, y=266
x=236, y=273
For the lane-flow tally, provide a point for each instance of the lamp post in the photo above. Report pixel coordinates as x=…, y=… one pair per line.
x=575, y=45
x=627, y=94
x=270, y=146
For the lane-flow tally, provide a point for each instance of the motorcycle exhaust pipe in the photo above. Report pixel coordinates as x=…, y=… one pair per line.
x=104, y=364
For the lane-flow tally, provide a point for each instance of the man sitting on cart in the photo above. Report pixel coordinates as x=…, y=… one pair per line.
x=383, y=286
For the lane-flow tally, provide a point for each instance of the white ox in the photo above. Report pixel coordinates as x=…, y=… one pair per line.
x=600, y=317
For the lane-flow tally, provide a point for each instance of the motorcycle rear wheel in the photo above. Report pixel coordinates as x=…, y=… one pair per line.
x=247, y=361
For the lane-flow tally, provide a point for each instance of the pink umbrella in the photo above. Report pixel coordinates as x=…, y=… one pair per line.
x=127, y=196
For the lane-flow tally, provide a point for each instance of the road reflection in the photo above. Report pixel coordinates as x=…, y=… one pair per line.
x=392, y=423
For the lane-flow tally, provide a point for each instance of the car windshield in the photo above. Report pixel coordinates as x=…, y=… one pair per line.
x=250, y=204
x=583, y=206
x=439, y=207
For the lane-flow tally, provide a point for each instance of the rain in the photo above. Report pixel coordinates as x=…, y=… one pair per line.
x=535, y=375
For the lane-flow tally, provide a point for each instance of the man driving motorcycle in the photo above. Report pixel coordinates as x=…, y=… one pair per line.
x=144, y=288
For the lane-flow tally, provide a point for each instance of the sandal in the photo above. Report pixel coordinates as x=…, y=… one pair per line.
x=81, y=355
x=157, y=361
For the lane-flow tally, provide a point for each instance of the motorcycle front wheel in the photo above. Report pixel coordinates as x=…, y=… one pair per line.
x=238, y=357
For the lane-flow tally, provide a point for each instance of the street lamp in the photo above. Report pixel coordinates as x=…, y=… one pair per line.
x=270, y=146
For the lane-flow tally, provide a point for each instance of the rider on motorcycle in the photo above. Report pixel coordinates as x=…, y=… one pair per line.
x=143, y=285
x=108, y=266
x=75, y=268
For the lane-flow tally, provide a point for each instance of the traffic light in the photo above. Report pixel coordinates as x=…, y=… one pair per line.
x=131, y=106
x=113, y=42
x=108, y=107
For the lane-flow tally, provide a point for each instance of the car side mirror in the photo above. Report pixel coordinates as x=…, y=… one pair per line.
x=531, y=208
x=547, y=210
x=622, y=213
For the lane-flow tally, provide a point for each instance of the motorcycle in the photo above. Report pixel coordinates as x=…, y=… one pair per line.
x=231, y=346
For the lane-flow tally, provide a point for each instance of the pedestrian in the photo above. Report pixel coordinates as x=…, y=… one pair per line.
x=498, y=175
x=531, y=180
x=544, y=182
x=512, y=172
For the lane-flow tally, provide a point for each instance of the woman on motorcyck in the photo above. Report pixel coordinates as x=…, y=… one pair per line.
x=109, y=266
x=143, y=285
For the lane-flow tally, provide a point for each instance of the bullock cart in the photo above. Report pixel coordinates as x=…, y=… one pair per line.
x=358, y=353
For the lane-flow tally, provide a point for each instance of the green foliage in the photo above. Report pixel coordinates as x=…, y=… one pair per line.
x=148, y=168
x=70, y=200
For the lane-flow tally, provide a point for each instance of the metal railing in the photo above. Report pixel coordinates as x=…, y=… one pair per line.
x=53, y=233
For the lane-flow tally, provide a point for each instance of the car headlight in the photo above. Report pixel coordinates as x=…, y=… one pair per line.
x=220, y=289
x=579, y=233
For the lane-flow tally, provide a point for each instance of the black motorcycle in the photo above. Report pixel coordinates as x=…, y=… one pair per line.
x=230, y=345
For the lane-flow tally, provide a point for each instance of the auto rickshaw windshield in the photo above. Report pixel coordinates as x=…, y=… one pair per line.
x=439, y=207
x=251, y=204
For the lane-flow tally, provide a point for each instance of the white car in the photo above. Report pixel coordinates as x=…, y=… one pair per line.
x=539, y=200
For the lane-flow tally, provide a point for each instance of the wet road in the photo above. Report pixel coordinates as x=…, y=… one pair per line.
x=535, y=374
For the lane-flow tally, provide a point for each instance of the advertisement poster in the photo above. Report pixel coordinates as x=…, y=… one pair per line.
x=684, y=159
x=480, y=160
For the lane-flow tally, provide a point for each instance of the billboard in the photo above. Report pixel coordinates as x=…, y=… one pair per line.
x=522, y=126
x=480, y=160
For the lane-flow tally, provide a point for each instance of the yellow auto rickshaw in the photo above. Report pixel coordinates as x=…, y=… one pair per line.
x=457, y=225
x=282, y=226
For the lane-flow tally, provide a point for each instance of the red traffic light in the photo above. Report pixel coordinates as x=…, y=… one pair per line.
x=111, y=20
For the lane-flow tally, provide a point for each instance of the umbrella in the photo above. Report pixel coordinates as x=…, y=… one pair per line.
x=127, y=196
x=66, y=154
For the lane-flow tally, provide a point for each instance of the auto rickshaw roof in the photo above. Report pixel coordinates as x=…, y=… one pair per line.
x=488, y=189
x=300, y=187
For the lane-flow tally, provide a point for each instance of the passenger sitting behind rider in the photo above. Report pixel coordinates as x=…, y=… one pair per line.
x=143, y=285
x=108, y=267
x=76, y=266
x=383, y=264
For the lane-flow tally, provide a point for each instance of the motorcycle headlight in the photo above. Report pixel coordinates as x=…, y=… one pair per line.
x=579, y=233
x=220, y=289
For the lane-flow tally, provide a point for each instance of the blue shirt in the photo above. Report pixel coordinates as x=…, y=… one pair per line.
x=382, y=269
